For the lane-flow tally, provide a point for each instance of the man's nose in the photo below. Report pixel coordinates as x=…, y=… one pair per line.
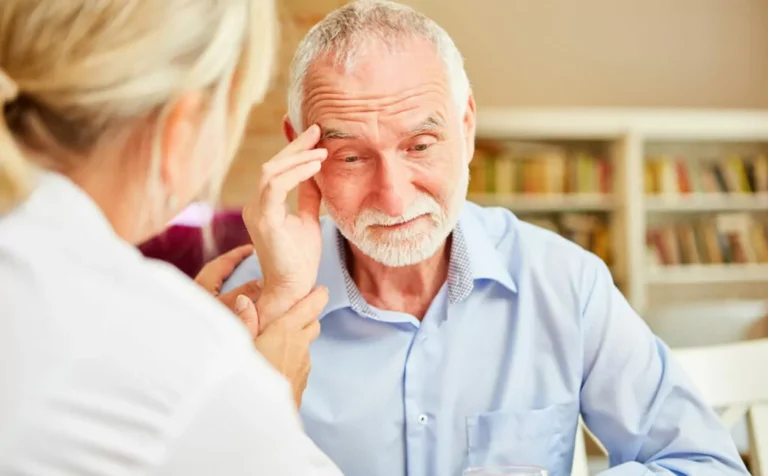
x=395, y=188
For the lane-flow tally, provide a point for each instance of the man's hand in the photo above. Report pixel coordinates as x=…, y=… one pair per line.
x=288, y=245
x=214, y=273
x=285, y=342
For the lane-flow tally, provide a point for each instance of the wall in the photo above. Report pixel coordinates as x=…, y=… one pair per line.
x=264, y=137
x=560, y=53
x=636, y=53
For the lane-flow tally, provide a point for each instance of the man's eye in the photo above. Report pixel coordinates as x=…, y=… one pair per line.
x=351, y=159
x=420, y=147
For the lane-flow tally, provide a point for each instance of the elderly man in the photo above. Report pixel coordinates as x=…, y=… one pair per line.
x=455, y=336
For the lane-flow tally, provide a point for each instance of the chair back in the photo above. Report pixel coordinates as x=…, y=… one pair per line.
x=728, y=378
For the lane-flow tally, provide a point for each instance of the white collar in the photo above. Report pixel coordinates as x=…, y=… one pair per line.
x=68, y=215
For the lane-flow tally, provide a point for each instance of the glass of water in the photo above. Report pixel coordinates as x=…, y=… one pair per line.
x=505, y=471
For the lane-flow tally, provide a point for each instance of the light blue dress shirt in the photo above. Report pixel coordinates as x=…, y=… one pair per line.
x=528, y=332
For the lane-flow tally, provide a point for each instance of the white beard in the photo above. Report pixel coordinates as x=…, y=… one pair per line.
x=407, y=246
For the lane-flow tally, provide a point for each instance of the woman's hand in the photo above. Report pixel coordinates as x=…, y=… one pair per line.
x=288, y=245
x=214, y=273
x=285, y=342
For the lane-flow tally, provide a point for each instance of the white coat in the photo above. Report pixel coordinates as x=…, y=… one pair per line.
x=111, y=364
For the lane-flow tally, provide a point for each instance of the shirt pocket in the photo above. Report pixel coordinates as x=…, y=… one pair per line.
x=540, y=437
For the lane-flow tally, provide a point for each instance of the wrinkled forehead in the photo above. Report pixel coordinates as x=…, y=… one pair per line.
x=379, y=79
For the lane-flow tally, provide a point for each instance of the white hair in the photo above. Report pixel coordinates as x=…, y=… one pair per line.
x=347, y=31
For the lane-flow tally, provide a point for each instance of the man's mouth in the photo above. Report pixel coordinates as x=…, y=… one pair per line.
x=398, y=226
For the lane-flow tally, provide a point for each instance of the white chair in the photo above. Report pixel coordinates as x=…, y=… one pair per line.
x=580, y=462
x=729, y=378
x=726, y=377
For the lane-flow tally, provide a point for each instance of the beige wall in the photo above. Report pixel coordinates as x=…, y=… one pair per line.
x=645, y=53
x=604, y=53
x=264, y=137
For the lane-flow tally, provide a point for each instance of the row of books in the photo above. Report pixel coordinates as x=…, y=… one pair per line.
x=507, y=171
x=723, y=238
x=667, y=175
x=590, y=231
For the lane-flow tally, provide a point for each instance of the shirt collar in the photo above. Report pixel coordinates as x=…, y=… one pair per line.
x=486, y=262
x=473, y=257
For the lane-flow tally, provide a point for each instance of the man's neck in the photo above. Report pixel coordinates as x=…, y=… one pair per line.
x=407, y=289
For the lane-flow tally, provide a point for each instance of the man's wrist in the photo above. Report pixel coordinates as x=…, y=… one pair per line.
x=275, y=303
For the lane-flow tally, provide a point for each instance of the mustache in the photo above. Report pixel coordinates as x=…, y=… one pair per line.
x=424, y=205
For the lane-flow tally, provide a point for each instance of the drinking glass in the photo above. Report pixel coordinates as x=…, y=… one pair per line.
x=505, y=471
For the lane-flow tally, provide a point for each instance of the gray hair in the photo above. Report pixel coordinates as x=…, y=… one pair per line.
x=347, y=31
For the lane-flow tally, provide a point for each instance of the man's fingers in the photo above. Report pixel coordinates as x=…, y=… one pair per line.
x=246, y=312
x=309, y=201
x=307, y=310
x=304, y=141
x=280, y=165
x=276, y=192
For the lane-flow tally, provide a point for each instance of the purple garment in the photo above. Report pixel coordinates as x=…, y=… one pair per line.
x=183, y=245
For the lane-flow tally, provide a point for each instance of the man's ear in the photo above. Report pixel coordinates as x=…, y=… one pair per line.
x=469, y=122
x=288, y=130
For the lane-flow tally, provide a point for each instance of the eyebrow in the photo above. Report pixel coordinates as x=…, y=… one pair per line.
x=331, y=133
x=430, y=124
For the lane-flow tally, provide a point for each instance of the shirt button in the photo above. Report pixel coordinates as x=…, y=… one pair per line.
x=423, y=419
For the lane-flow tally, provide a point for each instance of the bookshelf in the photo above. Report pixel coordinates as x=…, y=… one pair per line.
x=707, y=202
x=658, y=192
x=546, y=203
x=708, y=274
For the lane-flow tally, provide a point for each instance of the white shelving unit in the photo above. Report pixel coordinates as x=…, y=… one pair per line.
x=707, y=203
x=547, y=203
x=631, y=135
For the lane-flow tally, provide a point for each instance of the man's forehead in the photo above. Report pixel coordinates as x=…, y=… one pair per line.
x=373, y=70
x=433, y=121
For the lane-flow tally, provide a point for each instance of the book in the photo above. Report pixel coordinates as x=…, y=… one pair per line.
x=760, y=173
x=665, y=175
x=590, y=231
x=537, y=169
x=720, y=239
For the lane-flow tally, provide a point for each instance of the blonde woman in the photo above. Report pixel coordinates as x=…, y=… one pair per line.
x=116, y=114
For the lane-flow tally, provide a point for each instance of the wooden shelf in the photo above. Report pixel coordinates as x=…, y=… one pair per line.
x=707, y=274
x=547, y=203
x=715, y=202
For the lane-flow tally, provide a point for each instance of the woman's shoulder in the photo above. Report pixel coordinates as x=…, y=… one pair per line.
x=145, y=314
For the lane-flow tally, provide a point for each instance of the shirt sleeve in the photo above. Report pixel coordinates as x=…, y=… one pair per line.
x=636, y=398
x=246, y=426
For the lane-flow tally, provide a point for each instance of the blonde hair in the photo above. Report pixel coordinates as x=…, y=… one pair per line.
x=72, y=71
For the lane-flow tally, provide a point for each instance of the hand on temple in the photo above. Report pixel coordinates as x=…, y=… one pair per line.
x=288, y=245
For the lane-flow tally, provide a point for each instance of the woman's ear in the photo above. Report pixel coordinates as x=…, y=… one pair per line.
x=179, y=135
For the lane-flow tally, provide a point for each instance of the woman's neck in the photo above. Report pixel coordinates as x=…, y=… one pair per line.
x=120, y=199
